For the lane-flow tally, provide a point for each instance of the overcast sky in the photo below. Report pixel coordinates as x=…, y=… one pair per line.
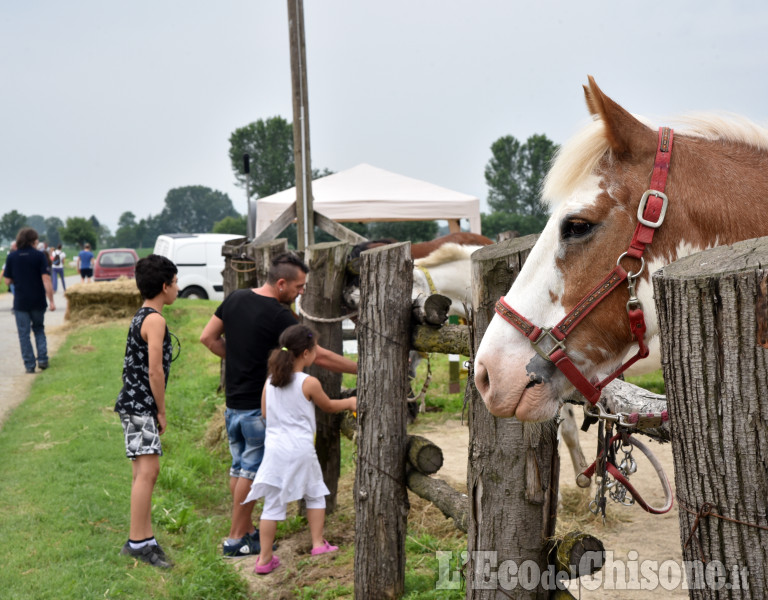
x=106, y=105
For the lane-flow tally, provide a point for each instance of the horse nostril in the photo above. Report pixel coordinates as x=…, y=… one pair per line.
x=482, y=379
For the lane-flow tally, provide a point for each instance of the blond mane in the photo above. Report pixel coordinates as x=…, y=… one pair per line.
x=446, y=253
x=579, y=156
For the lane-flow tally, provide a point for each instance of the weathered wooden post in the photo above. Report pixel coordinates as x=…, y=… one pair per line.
x=513, y=467
x=712, y=315
x=247, y=265
x=381, y=499
x=320, y=305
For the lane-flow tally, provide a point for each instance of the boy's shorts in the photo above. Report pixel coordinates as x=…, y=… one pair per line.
x=86, y=272
x=141, y=435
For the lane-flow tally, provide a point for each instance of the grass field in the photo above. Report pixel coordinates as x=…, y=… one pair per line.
x=64, y=486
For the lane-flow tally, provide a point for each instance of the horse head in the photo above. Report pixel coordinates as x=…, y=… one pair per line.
x=594, y=189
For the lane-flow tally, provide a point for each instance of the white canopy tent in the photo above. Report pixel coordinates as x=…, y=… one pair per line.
x=366, y=193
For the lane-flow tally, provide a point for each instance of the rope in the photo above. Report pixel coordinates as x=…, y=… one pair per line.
x=243, y=262
x=707, y=510
x=306, y=315
x=424, y=388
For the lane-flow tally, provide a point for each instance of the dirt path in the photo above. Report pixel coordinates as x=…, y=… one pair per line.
x=631, y=545
x=15, y=382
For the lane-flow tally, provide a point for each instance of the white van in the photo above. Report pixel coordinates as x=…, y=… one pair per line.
x=199, y=260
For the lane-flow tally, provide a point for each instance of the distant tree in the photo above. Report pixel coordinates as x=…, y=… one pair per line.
x=10, y=223
x=236, y=225
x=148, y=229
x=414, y=231
x=269, y=145
x=103, y=235
x=78, y=231
x=37, y=222
x=52, y=226
x=194, y=209
x=126, y=232
x=498, y=222
x=515, y=173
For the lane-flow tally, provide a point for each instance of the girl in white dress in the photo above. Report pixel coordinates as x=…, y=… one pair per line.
x=290, y=469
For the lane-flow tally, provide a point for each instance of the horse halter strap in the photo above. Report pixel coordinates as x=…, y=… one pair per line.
x=550, y=342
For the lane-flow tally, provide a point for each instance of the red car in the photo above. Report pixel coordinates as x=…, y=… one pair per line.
x=115, y=262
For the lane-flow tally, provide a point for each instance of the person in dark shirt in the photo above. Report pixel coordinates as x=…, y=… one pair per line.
x=28, y=270
x=141, y=401
x=243, y=330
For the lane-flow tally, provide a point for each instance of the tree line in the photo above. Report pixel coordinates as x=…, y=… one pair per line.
x=261, y=154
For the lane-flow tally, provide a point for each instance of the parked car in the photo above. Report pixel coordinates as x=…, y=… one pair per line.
x=115, y=262
x=198, y=258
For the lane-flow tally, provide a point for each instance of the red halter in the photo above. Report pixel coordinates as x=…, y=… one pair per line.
x=549, y=342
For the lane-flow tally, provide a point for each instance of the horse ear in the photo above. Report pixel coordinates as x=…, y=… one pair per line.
x=626, y=135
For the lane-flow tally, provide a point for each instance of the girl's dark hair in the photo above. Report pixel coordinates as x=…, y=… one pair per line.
x=293, y=342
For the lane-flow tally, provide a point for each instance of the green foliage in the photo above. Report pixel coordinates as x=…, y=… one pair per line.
x=403, y=231
x=498, y=222
x=52, y=227
x=515, y=173
x=269, y=144
x=78, y=231
x=10, y=223
x=238, y=224
x=653, y=382
x=194, y=209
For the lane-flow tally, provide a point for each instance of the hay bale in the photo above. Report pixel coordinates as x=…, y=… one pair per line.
x=103, y=300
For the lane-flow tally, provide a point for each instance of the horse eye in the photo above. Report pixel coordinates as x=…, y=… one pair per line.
x=576, y=228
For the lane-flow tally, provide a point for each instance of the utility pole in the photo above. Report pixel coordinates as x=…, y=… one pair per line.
x=305, y=222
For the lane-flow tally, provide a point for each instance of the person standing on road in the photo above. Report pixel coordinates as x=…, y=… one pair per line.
x=84, y=263
x=244, y=329
x=57, y=264
x=27, y=269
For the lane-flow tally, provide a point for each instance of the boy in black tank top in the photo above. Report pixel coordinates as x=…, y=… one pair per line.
x=141, y=402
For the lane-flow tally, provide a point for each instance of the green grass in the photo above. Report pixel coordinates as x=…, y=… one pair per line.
x=65, y=482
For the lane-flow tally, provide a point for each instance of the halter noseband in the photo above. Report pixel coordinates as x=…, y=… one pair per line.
x=549, y=342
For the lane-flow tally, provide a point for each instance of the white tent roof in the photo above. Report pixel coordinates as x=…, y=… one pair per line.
x=366, y=193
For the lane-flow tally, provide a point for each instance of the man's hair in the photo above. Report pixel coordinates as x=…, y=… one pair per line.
x=87, y=246
x=26, y=238
x=151, y=273
x=285, y=266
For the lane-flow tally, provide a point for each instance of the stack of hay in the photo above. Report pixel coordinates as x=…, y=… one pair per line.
x=103, y=300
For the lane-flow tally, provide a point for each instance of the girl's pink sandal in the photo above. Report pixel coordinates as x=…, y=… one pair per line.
x=326, y=547
x=268, y=568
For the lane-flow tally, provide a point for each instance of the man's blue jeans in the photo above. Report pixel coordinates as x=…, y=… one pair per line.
x=32, y=321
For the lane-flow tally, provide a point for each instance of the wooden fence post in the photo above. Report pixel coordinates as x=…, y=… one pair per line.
x=322, y=299
x=513, y=467
x=381, y=499
x=711, y=308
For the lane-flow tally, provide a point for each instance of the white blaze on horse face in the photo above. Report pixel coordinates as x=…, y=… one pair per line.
x=511, y=377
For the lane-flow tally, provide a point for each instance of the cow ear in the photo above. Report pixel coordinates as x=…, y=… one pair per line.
x=625, y=134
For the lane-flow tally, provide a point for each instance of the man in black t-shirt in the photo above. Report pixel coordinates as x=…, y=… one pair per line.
x=244, y=329
x=28, y=270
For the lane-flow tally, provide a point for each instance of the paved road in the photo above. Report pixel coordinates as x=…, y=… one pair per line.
x=14, y=380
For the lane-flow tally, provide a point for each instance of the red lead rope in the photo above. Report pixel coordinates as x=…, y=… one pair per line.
x=650, y=214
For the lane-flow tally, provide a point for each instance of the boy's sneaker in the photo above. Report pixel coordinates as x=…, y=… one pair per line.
x=148, y=554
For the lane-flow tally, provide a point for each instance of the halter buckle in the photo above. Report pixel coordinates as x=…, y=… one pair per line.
x=546, y=332
x=644, y=202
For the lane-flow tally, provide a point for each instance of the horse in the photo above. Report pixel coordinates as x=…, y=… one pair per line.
x=424, y=249
x=446, y=271
x=625, y=199
x=419, y=251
